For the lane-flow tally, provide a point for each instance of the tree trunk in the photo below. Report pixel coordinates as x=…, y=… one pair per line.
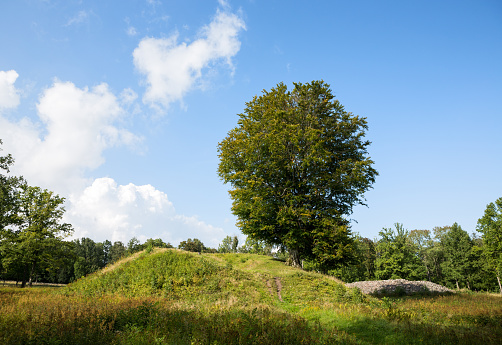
x=25, y=273
x=428, y=271
x=500, y=286
x=456, y=281
x=294, y=259
x=30, y=282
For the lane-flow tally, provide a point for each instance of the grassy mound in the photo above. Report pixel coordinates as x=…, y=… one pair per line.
x=242, y=278
x=170, y=273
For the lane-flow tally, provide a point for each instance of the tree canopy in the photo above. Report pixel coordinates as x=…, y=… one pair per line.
x=8, y=192
x=298, y=164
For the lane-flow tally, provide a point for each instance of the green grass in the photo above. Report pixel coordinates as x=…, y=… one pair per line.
x=175, y=297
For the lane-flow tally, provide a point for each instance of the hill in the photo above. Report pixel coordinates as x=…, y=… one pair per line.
x=242, y=279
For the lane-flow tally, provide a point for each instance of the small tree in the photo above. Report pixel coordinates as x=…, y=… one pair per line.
x=298, y=164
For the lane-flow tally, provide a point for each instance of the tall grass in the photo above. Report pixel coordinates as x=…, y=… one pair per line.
x=173, y=297
x=44, y=318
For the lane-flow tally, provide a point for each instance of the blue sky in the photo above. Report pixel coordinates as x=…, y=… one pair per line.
x=119, y=105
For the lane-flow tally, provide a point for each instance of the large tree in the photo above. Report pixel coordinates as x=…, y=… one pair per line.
x=490, y=225
x=298, y=164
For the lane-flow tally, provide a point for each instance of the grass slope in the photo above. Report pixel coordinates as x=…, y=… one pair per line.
x=175, y=297
x=246, y=278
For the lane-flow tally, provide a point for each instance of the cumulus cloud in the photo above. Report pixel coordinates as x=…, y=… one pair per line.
x=77, y=125
x=171, y=69
x=119, y=212
x=9, y=95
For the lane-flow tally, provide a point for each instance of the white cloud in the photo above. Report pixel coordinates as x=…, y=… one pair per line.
x=171, y=68
x=131, y=31
x=224, y=4
x=128, y=96
x=9, y=95
x=77, y=125
x=106, y=210
x=79, y=18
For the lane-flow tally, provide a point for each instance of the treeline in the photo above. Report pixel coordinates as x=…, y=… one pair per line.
x=446, y=255
x=80, y=257
x=73, y=259
x=32, y=246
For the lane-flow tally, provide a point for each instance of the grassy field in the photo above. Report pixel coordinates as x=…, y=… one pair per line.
x=174, y=297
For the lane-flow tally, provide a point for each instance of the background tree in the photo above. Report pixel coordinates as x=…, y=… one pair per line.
x=133, y=246
x=424, y=246
x=117, y=251
x=90, y=256
x=229, y=245
x=363, y=267
x=254, y=246
x=396, y=256
x=194, y=245
x=490, y=225
x=298, y=164
x=60, y=269
x=158, y=243
x=481, y=271
x=457, y=247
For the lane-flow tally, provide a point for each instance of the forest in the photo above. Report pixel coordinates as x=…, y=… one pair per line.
x=446, y=255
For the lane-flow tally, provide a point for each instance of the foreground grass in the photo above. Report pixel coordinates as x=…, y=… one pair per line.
x=172, y=297
x=38, y=317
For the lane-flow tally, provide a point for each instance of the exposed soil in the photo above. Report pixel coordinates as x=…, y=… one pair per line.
x=278, y=287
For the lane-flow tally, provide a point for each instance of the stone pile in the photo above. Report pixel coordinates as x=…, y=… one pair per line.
x=390, y=286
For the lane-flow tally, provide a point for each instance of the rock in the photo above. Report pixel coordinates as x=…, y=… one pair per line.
x=390, y=286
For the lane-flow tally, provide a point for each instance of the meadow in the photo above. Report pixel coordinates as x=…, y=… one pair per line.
x=174, y=297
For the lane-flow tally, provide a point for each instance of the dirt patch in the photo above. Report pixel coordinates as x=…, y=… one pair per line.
x=279, y=288
x=269, y=287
